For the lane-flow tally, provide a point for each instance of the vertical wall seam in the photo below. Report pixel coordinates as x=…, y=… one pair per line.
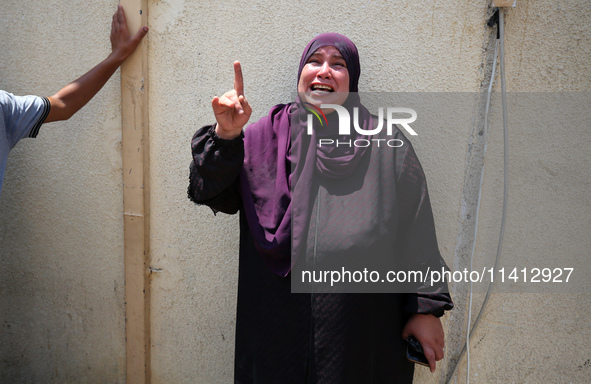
x=136, y=199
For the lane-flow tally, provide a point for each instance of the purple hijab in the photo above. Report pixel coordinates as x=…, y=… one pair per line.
x=281, y=160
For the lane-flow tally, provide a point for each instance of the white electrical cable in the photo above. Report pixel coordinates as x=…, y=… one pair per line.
x=489, y=92
x=469, y=332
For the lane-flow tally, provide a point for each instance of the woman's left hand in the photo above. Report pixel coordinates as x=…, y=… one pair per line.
x=427, y=329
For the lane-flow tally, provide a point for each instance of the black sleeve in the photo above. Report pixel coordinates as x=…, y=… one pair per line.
x=213, y=173
x=417, y=229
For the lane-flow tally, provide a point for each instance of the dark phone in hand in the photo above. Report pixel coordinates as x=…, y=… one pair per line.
x=414, y=352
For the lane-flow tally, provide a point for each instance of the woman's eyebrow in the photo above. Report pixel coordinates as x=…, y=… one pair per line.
x=337, y=56
x=340, y=57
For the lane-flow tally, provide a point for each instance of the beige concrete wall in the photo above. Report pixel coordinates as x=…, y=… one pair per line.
x=62, y=193
x=61, y=229
x=404, y=46
x=537, y=337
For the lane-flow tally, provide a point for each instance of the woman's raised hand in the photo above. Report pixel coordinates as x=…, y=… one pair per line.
x=232, y=111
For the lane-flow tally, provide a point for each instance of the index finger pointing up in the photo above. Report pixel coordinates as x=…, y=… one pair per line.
x=238, y=82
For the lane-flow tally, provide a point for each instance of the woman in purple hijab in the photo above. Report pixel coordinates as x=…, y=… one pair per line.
x=290, y=192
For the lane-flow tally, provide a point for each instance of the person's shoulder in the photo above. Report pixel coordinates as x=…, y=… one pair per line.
x=7, y=98
x=7, y=101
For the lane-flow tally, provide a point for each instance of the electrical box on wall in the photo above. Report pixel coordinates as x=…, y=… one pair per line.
x=504, y=3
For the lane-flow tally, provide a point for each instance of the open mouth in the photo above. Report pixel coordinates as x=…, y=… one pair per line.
x=321, y=88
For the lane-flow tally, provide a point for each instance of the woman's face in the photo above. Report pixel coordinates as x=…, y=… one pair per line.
x=324, y=78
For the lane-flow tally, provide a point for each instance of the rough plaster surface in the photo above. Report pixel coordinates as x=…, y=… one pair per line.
x=404, y=46
x=62, y=257
x=61, y=234
x=548, y=204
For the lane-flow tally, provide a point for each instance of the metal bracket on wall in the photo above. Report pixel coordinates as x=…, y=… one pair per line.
x=504, y=3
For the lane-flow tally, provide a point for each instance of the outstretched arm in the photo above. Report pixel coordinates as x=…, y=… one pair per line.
x=74, y=96
x=218, y=151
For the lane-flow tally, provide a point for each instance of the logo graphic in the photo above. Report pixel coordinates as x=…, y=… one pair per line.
x=392, y=118
x=316, y=114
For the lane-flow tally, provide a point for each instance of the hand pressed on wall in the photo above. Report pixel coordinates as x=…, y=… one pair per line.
x=71, y=98
x=122, y=43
